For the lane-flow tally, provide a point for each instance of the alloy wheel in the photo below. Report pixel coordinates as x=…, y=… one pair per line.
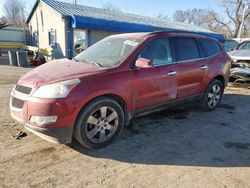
x=102, y=124
x=214, y=96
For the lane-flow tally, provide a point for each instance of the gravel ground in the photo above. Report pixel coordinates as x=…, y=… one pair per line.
x=181, y=147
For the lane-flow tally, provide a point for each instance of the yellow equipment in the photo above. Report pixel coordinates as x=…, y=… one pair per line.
x=45, y=51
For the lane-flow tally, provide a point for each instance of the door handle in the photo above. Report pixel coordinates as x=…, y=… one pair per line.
x=172, y=73
x=203, y=67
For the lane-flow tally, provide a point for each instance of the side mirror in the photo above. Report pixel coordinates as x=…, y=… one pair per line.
x=143, y=63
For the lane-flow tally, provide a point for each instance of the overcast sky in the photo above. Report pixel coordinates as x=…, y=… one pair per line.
x=142, y=7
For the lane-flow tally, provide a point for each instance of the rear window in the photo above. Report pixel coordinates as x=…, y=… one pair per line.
x=186, y=49
x=209, y=47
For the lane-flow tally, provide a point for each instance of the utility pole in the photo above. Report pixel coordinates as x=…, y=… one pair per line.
x=243, y=18
x=75, y=1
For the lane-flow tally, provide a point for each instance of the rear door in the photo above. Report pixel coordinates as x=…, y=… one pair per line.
x=154, y=86
x=191, y=67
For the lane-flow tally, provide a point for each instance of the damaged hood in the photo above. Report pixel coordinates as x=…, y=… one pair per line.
x=59, y=70
x=240, y=55
x=241, y=71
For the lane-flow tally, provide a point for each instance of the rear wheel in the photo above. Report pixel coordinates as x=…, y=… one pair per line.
x=99, y=123
x=213, y=95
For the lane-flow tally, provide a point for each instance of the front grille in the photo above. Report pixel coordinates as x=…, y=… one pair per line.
x=23, y=89
x=17, y=103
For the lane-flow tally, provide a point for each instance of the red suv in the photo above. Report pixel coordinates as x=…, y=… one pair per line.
x=119, y=78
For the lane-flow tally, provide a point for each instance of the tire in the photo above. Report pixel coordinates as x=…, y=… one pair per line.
x=99, y=123
x=213, y=95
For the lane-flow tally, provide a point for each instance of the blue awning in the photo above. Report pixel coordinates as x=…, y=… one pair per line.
x=217, y=36
x=83, y=22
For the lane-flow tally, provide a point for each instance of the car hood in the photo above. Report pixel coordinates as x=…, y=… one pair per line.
x=240, y=54
x=59, y=70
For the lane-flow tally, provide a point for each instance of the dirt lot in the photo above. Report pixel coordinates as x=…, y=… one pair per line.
x=173, y=148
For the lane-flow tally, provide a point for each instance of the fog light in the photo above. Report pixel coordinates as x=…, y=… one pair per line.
x=41, y=120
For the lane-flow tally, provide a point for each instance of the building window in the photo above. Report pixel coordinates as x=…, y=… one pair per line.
x=35, y=38
x=52, y=37
x=80, y=40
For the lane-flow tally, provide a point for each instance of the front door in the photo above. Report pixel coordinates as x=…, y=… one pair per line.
x=156, y=85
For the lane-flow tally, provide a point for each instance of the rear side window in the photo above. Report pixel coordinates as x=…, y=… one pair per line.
x=209, y=47
x=186, y=49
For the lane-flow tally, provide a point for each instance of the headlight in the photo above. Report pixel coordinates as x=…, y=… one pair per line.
x=56, y=90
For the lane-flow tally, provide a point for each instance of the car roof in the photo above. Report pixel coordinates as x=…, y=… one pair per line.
x=143, y=35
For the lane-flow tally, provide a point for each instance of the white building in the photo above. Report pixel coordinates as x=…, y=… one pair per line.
x=64, y=25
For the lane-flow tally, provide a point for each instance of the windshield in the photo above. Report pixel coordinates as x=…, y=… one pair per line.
x=108, y=52
x=244, y=46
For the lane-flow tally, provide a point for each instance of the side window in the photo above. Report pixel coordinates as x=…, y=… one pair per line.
x=209, y=47
x=158, y=51
x=186, y=49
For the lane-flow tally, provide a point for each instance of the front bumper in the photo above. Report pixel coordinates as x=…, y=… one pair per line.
x=23, y=107
x=54, y=135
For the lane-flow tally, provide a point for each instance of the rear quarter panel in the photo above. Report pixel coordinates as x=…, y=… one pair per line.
x=218, y=65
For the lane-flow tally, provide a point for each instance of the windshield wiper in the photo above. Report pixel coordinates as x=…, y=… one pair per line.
x=96, y=63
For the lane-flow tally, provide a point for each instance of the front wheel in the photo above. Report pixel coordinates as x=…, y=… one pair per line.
x=213, y=95
x=99, y=123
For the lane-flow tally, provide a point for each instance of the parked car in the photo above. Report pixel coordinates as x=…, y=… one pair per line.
x=80, y=46
x=230, y=44
x=119, y=78
x=241, y=62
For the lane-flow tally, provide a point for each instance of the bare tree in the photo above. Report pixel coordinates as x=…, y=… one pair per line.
x=191, y=16
x=199, y=17
x=3, y=20
x=162, y=16
x=180, y=16
x=112, y=8
x=233, y=10
x=246, y=28
x=229, y=25
x=15, y=13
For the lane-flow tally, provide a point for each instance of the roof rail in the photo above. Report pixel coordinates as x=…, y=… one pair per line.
x=216, y=36
x=175, y=31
